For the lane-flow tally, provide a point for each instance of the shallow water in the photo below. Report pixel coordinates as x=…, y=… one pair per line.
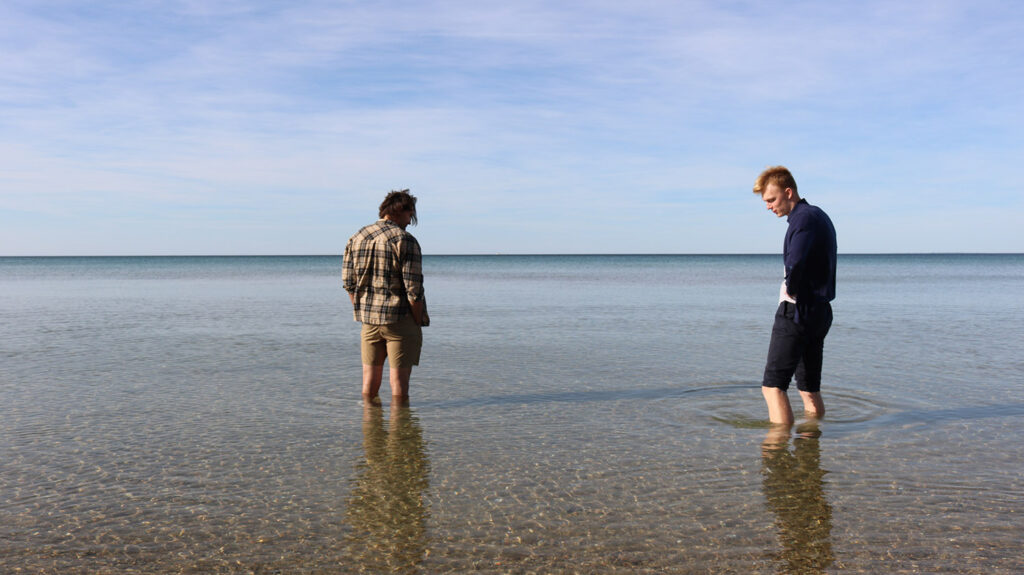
x=572, y=414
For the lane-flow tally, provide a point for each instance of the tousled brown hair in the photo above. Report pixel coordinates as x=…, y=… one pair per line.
x=398, y=201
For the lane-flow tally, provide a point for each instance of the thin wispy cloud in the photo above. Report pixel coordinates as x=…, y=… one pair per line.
x=596, y=126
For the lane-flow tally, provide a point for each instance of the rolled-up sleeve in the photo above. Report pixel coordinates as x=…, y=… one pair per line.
x=348, y=270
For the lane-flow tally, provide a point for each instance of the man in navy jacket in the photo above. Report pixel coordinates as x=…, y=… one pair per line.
x=804, y=315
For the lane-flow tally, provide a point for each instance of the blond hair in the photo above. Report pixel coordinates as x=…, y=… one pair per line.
x=778, y=175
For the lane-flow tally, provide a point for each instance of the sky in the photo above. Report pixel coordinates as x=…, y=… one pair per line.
x=194, y=127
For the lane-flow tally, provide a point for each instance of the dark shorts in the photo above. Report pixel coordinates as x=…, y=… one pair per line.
x=796, y=348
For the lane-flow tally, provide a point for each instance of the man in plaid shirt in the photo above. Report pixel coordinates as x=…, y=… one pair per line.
x=383, y=275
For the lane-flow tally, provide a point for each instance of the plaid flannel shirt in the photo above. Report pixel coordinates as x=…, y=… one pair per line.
x=383, y=269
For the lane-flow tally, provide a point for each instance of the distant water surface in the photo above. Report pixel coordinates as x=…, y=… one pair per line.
x=592, y=414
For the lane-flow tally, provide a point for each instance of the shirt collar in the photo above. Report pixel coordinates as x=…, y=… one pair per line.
x=802, y=202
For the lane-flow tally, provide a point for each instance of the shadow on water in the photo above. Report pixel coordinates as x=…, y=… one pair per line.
x=386, y=509
x=588, y=396
x=794, y=490
x=848, y=411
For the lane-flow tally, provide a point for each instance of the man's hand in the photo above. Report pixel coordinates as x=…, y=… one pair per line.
x=417, y=311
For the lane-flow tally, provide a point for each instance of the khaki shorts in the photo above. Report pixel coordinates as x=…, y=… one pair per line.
x=400, y=342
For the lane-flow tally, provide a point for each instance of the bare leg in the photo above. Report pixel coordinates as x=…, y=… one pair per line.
x=777, y=437
x=400, y=384
x=372, y=376
x=813, y=404
x=779, y=410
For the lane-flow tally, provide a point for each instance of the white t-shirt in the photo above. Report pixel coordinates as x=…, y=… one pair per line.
x=783, y=296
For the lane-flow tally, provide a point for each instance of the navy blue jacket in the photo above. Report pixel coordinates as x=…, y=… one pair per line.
x=809, y=253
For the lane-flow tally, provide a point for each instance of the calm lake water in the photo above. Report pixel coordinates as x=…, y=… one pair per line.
x=572, y=414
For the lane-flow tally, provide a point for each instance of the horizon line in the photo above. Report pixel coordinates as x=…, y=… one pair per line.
x=502, y=254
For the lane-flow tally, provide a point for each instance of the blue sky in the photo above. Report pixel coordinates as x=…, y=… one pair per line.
x=276, y=127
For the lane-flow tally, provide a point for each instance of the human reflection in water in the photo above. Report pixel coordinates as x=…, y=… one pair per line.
x=794, y=487
x=387, y=511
